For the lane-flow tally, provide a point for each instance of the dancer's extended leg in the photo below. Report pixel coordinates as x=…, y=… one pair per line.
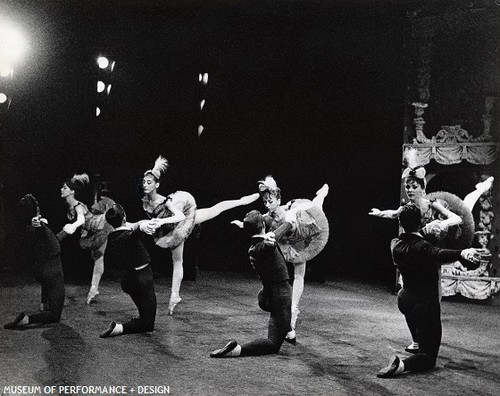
x=206, y=214
x=471, y=198
x=177, y=275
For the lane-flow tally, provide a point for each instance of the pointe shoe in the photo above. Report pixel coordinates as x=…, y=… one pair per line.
x=291, y=337
x=172, y=304
x=91, y=296
x=295, y=315
x=323, y=191
x=486, y=185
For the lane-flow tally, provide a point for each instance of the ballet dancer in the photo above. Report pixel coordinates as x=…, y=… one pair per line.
x=275, y=296
x=418, y=300
x=92, y=225
x=446, y=220
x=126, y=251
x=45, y=252
x=303, y=242
x=172, y=218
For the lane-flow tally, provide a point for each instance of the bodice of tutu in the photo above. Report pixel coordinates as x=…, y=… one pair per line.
x=172, y=235
x=72, y=215
x=308, y=235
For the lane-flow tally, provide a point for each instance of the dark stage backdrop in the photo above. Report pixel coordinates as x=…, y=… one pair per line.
x=308, y=91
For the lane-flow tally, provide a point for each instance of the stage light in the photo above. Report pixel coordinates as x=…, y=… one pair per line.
x=200, y=130
x=205, y=78
x=97, y=111
x=108, y=90
x=112, y=66
x=13, y=45
x=103, y=62
x=202, y=104
x=6, y=71
x=3, y=98
x=100, y=86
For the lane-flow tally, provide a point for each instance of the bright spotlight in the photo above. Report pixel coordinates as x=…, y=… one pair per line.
x=100, y=86
x=202, y=104
x=205, y=78
x=103, y=62
x=112, y=66
x=12, y=43
x=108, y=90
x=5, y=71
x=200, y=130
x=3, y=98
x=97, y=111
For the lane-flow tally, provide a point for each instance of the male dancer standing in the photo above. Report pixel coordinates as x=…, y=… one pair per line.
x=275, y=296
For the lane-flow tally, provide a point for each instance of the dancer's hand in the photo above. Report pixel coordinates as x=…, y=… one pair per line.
x=147, y=227
x=69, y=229
x=374, y=212
x=237, y=223
x=471, y=255
x=437, y=228
x=248, y=199
x=270, y=237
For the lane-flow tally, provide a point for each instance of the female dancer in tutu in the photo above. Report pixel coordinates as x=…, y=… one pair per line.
x=172, y=218
x=305, y=241
x=94, y=228
x=446, y=220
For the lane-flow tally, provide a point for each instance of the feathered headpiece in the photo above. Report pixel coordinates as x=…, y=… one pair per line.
x=160, y=166
x=78, y=181
x=413, y=169
x=269, y=185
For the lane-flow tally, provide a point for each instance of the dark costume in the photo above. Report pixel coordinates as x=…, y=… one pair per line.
x=275, y=297
x=126, y=252
x=419, y=263
x=46, y=253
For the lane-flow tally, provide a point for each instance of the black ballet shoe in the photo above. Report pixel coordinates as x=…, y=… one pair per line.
x=15, y=323
x=391, y=369
x=220, y=353
x=107, y=333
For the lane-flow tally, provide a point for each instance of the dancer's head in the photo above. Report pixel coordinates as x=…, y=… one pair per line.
x=151, y=179
x=410, y=218
x=29, y=208
x=74, y=185
x=413, y=176
x=253, y=223
x=270, y=193
x=115, y=216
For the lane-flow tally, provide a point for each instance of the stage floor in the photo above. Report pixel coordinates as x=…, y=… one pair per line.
x=346, y=332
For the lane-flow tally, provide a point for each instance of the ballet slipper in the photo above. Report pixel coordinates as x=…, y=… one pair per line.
x=485, y=185
x=172, y=304
x=93, y=293
x=323, y=191
x=291, y=337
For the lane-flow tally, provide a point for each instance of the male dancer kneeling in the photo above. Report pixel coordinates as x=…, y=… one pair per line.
x=45, y=252
x=275, y=296
x=125, y=250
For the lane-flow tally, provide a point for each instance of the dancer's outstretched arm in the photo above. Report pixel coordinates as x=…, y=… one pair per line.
x=385, y=214
x=206, y=214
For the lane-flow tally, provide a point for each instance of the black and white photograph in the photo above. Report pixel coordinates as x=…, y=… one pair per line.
x=249, y=197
